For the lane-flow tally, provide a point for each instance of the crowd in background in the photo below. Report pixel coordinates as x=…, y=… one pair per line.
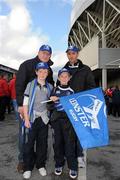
x=7, y=95
x=112, y=99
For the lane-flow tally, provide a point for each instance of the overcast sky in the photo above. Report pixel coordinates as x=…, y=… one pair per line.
x=26, y=24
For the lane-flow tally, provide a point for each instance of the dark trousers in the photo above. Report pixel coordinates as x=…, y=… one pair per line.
x=8, y=104
x=116, y=110
x=79, y=149
x=64, y=143
x=3, y=102
x=37, y=134
x=110, y=108
x=21, y=141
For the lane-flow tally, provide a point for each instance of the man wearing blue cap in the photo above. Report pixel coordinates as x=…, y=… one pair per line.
x=26, y=73
x=81, y=79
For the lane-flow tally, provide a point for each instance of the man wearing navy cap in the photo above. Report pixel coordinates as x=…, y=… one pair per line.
x=26, y=73
x=82, y=79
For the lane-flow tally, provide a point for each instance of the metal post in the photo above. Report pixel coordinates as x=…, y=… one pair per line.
x=104, y=70
x=104, y=78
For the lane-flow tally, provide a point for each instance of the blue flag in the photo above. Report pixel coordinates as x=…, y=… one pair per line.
x=87, y=113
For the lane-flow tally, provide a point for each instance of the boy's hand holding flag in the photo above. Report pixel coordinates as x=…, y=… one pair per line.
x=87, y=113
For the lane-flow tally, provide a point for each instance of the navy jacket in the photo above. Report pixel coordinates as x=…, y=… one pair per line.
x=26, y=73
x=82, y=77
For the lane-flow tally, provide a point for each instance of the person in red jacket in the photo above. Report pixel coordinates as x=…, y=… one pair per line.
x=4, y=93
x=12, y=91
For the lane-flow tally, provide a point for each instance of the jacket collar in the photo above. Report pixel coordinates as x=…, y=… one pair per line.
x=78, y=64
x=64, y=86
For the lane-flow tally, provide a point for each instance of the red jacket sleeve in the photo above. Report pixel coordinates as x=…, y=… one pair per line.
x=5, y=88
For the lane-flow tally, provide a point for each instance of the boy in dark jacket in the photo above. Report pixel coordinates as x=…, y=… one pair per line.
x=64, y=136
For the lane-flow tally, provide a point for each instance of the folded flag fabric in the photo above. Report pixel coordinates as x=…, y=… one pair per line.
x=87, y=113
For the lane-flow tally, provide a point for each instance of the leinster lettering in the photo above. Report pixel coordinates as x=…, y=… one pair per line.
x=73, y=115
x=80, y=113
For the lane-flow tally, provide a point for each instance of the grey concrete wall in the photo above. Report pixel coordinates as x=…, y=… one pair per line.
x=109, y=55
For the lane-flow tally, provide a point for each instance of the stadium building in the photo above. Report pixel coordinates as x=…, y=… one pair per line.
x=9, y=71
x=95, y=29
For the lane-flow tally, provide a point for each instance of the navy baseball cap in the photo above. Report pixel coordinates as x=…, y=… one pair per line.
x=72, y=48
x=42, y=65
x=63, y=70
x=46, y=48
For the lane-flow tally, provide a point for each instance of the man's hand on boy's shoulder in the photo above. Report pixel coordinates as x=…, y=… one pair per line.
x=54, y=98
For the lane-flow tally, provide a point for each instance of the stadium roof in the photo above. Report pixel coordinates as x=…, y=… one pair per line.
x=91, y=18
x=7, y=69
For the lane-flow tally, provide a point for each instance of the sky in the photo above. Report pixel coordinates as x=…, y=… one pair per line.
x=27, y=24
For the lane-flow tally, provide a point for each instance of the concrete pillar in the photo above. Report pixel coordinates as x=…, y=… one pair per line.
x=104, y=78
x=104, y=70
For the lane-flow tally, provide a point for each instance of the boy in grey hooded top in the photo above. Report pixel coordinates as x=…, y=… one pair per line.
x=36, y=120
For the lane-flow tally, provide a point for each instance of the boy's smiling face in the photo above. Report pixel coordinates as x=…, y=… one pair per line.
x=42, y=74
x=64, y=78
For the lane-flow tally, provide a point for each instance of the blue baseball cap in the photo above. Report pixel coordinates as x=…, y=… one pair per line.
x=46, y=48
x=72, y=48
x=63, y=70
x=42, y=65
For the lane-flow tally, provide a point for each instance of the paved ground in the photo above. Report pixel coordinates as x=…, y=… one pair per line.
x=8, y=155
x=102, y=163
